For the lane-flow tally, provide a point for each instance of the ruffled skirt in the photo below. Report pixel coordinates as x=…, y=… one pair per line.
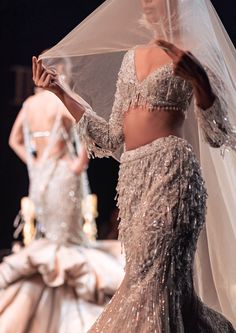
x=51, y=288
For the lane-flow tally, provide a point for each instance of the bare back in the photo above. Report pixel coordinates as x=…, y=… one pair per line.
x=41, y=111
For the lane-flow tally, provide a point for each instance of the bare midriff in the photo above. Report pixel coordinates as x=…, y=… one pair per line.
x=142, y=126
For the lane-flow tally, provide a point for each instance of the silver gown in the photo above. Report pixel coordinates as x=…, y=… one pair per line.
x=61, y=281
x=162, y=202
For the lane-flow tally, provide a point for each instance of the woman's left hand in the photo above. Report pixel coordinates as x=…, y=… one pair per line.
x=188, y=67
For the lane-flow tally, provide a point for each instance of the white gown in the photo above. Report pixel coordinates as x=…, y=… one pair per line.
x=61, y=281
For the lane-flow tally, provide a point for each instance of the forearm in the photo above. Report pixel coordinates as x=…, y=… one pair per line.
x=212, y=114
x=204, y=96
x=74, y=107
x=78, y=166
x=101, y=138
x=20, y=151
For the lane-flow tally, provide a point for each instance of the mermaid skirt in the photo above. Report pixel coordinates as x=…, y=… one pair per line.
x=162, y=201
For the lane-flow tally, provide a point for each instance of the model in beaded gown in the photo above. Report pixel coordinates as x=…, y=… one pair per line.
x=161, y=192
x=60, y=282
x=162, y=202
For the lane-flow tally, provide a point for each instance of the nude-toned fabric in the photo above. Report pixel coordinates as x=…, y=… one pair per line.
x=50, y=288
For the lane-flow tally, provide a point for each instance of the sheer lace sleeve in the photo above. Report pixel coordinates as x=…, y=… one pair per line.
x=214, y=121
x=103, y=138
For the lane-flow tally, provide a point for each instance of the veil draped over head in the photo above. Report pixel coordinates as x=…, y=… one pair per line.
x=91, y=56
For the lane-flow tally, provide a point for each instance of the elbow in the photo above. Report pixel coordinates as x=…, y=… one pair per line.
x=207, y=102
x=11, y=143
x=214, y=142
x=85, y=163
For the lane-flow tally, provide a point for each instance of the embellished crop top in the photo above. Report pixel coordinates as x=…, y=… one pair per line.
x=160, y=90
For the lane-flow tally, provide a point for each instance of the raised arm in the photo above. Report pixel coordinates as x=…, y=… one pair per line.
x=211, y=112
x=16, y=139
x=190, y=69
x=103, y=138
x=48, y=80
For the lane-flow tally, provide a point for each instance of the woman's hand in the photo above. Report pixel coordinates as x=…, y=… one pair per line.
x=48, y=80
x=187, y=66
x=79, y=164
x=44, y=78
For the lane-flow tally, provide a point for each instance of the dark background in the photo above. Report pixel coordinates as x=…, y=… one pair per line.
x=26, y=28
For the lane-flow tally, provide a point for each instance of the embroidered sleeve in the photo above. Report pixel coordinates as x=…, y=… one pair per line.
x=102, y=137
x=214, y=121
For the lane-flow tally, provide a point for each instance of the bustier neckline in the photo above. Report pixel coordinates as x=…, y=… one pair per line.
x=152, y=73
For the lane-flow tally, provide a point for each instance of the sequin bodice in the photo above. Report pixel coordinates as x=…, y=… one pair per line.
x=159, y=90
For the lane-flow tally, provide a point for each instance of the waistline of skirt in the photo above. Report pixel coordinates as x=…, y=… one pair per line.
x=152, y=148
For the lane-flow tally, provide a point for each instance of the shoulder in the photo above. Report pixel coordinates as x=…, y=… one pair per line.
x=29, y=100
x=127, y=58
x=37, y=97
x=27, y=105
x=128, y=54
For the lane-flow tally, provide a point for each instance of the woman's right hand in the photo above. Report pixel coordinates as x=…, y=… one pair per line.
x=44, y=78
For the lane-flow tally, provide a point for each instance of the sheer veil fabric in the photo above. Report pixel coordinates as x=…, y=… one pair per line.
x=91, y=56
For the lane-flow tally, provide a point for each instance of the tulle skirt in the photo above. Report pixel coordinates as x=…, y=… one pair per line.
x=53, y=288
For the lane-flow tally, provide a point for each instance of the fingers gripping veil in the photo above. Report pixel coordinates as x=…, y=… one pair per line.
x=88, y=60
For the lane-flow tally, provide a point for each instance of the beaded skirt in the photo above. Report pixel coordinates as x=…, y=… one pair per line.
x=162, y=201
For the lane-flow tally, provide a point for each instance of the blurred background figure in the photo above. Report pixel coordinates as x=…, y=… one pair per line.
x=23, y=37
x=61, y=280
